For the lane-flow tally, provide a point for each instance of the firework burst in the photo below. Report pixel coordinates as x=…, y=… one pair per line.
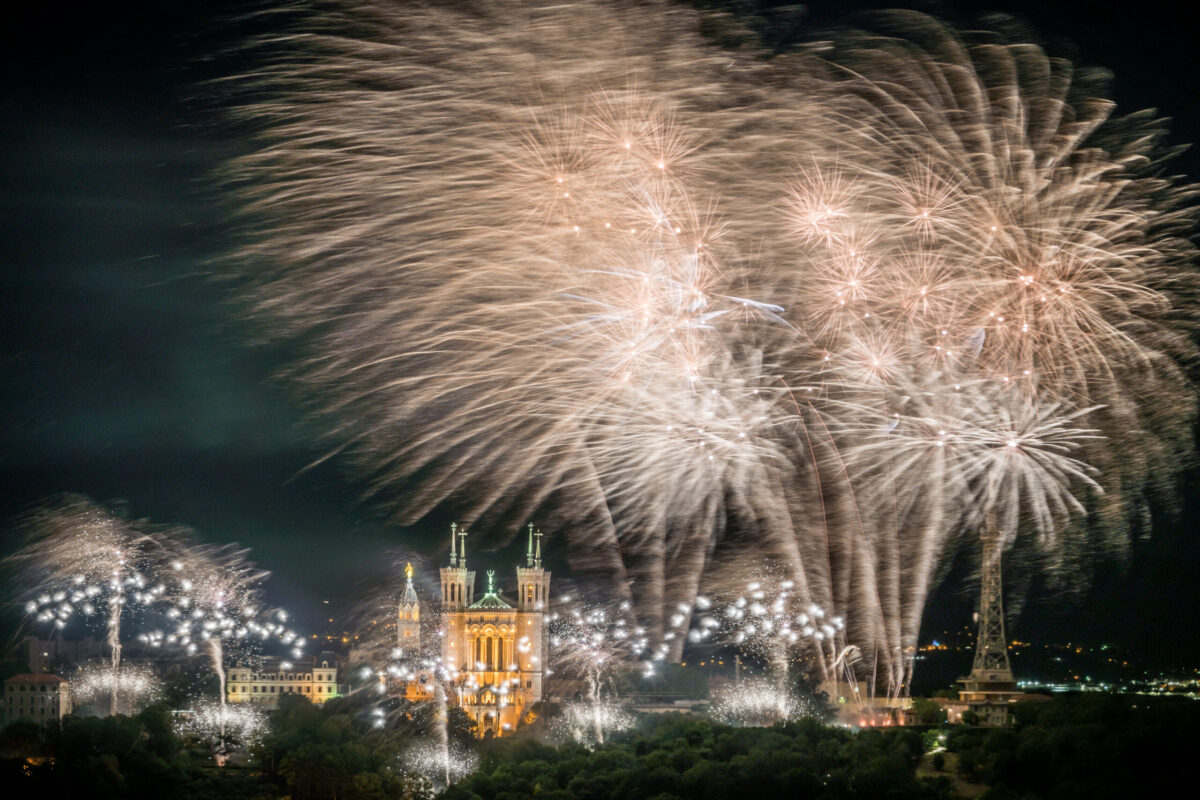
x=666, y=295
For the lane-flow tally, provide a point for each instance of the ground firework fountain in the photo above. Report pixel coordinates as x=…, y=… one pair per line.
x=214, y=604
x=84, y=560
x=770, y=620
x=134, y=686
x=223, y=728
x=760, y=703
x=595, y=642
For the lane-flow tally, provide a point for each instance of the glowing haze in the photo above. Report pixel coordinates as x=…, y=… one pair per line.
x=832, y=311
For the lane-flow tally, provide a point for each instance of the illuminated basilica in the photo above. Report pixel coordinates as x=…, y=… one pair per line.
x=494, y=645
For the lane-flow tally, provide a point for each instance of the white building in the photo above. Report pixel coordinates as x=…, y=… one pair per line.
x=315, y=679
x=41, y=698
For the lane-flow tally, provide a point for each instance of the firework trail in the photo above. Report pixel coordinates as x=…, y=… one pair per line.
x=375, y=614
x=82, y=559
x=436, y=681
x=697, y=306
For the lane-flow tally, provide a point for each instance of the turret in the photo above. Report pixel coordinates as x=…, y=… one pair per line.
x=533, y=582
x=533, y=601
x=408, y=628
x=458, y=583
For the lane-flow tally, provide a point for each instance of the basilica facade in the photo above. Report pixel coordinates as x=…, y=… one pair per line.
x=492, y=646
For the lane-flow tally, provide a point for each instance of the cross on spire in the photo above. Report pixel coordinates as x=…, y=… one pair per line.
x=462, y=558
x=537, y=558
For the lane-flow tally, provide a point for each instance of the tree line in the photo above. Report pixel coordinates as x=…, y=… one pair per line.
x=1085, y=746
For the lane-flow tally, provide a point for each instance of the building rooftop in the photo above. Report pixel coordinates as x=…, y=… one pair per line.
x=491, y=599
x=30, y=677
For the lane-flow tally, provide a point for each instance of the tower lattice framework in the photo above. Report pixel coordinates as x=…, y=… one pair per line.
x=991, y=650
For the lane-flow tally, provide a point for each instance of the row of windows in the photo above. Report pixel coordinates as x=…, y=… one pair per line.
x=280, y=676
x=42, y=688
x=490, y=699
x=45, y=700
x=273, y=700
x=35, y=712
x=282, y=689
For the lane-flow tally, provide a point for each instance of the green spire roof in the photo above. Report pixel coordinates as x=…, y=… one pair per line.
x=491, y=599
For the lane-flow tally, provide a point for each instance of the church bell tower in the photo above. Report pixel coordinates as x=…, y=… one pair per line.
x=533, y=602
x=533, y=582
x=458, y=583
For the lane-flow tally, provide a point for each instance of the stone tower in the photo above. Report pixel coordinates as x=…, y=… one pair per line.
x=408, y=625
x=458, y=583
x=533, y=582
x=533, y=602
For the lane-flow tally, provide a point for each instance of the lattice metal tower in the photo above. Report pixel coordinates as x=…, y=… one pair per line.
x=991, y=648
x=990, y=687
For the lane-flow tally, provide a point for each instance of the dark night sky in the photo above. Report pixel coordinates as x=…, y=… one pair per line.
x=123, y=374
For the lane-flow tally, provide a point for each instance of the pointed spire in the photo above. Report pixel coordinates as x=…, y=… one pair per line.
x=462, y=557
x=537, y=558
x=453, y=543
x=409, y=603
x=529, y=550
